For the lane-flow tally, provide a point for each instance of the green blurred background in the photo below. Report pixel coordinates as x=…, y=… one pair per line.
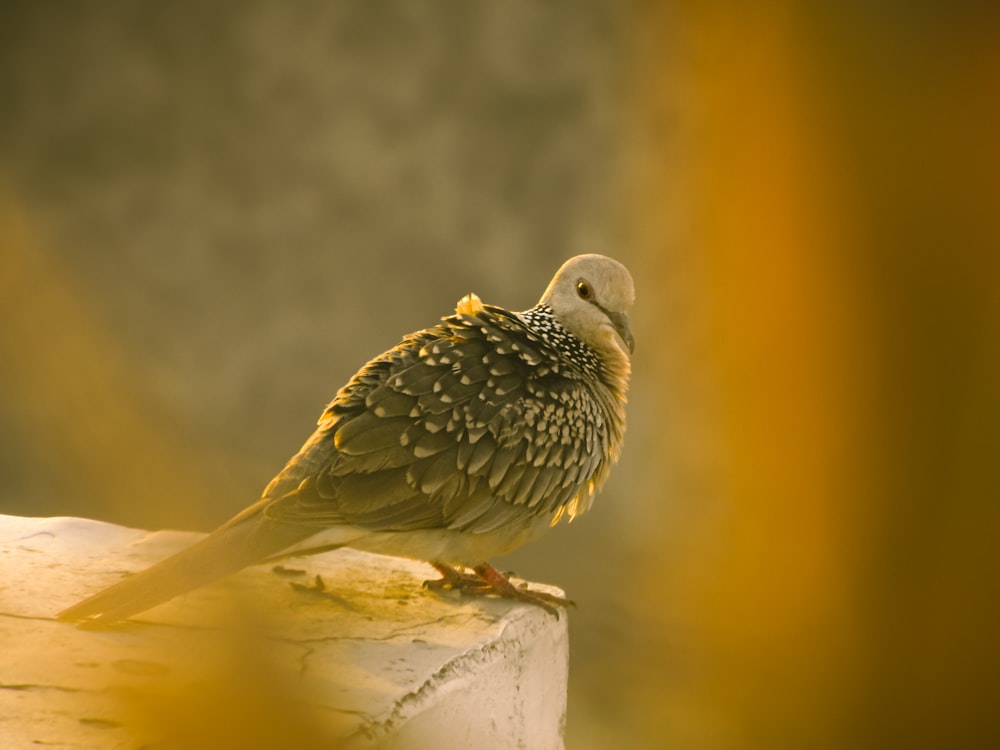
x=211, y=215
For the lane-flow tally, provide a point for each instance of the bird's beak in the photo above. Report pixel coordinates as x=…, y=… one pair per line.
x=620, y=322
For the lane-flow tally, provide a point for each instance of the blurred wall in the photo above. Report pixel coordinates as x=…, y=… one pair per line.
x=211, y=216
x=215, y=215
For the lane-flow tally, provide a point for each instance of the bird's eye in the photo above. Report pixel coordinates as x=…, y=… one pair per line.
x=583, y=289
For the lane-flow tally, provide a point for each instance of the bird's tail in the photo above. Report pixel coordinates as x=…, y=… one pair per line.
x=225, y=551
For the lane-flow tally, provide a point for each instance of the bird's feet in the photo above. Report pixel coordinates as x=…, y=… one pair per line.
x=488, y=581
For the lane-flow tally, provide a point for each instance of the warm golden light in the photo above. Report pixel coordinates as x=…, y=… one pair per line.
x=206, y=228
x=838, y=350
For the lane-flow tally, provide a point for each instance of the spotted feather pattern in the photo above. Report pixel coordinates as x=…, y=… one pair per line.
x=487, y=419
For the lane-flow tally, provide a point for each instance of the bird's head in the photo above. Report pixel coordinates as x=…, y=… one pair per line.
x=590, y=296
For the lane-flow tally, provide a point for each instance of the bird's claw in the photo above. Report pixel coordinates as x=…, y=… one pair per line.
x=488, y=581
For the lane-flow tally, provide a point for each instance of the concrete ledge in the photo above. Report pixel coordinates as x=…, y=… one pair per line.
x=367, y=659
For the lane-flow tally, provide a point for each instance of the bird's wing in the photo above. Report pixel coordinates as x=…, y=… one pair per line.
x=469, y=425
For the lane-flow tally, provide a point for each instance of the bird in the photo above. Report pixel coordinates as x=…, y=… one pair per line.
x=461, y=443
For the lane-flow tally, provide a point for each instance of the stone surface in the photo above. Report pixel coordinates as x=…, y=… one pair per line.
x=361, y=655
